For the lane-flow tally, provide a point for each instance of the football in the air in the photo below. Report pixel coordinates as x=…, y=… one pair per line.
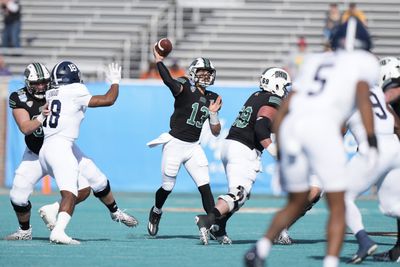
x=163, y=47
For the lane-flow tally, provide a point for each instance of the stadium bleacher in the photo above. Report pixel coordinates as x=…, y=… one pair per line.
x=241, y=37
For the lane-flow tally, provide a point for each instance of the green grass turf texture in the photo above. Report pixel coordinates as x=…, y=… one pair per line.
x=107, y=243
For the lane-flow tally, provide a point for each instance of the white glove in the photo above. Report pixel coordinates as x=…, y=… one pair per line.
x=114, y=73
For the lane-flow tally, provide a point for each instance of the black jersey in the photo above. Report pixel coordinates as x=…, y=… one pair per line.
x=22, y=99
x=396, y=107
x=190, y=111
x=242, y=129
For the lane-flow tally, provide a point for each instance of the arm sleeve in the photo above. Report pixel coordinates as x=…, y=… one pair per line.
x=172, y=84
x=263, y=128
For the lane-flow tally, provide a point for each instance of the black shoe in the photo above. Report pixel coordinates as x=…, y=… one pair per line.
x=252, y=259
x=204, y=228
x=392, y=255
x=154, y=220
x=363, y=252
x=219, y=234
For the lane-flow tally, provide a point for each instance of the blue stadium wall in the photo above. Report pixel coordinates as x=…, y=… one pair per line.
x=115, y=138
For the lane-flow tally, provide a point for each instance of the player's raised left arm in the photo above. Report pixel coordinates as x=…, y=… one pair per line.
x=108, y=99
x=214, y=107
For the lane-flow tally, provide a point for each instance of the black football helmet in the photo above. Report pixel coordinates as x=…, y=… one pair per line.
x=37, y=80
x=351, y=35
x=65, y=72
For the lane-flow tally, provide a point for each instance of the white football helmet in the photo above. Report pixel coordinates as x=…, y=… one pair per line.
x=37, y=80
x=276, y=81
x=202, y=63
x=389, y=73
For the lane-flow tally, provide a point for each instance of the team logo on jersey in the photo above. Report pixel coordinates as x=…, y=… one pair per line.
x=22, y=97
x=192, y=88
x=203, y=99
x=29, y=103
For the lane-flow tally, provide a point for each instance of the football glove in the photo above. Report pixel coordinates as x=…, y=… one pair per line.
x=114, y=73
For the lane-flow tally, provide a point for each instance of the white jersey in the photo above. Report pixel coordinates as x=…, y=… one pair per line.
x=383, y=119
x=326, y=84
x=67, y=104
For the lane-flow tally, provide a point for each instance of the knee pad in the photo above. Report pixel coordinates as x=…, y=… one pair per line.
x=19, y=194
x=168, y=183
x=22, y=209
x=235, y=198
x=104, y=192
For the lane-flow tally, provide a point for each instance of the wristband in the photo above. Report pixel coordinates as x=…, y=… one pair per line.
x=41, y=118
x=214, y=118
x=372, y=141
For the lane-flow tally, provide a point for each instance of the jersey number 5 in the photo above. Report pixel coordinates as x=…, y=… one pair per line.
x=55, y=109
x=320, y=78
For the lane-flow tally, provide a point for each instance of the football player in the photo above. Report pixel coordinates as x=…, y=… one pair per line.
x=193, y=105
x=390, y=83
x=384, y=174
x=241, y=152
x=308, y=127
x=28, y=104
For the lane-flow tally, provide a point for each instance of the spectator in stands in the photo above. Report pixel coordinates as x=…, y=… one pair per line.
x=4, y=71
x=295, y=58
x=151, y=73
x=353, y=11
x=332, y=20
x=12, y=23
x=175, y=70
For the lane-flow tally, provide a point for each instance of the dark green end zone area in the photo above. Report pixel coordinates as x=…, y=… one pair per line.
x=107, y=243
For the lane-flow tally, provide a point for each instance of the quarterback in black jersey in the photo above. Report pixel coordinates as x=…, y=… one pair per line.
x=193, y=105
x=29, y=109
x=249, y=135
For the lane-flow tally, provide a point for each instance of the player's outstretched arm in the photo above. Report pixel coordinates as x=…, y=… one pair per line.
x=175, y=87
x=108, y=99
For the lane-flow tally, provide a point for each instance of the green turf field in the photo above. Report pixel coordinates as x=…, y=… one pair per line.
x=106, y=243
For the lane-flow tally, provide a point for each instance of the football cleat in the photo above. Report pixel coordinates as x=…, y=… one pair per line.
x=154, y=221
x=252, y=259
x=222, y=238
x=60, y=237
x=122, y=217
x=204, y=228
x=20, y=234
x=363, y=252
x=283, y=238
x=392, y=255
x=48, y=213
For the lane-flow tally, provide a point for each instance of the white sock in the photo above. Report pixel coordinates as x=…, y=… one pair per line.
x=263, y=247
x=331, y=261
x=63, y=219
x=56, y=205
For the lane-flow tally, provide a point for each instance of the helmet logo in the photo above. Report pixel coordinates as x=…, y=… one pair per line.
x=72, y=67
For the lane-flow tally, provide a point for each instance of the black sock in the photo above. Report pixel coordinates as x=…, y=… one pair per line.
x=161, y=197
x=398, y=233
x=207, y=197
x=112, y=207
x=24, y=225
x=216, y=212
